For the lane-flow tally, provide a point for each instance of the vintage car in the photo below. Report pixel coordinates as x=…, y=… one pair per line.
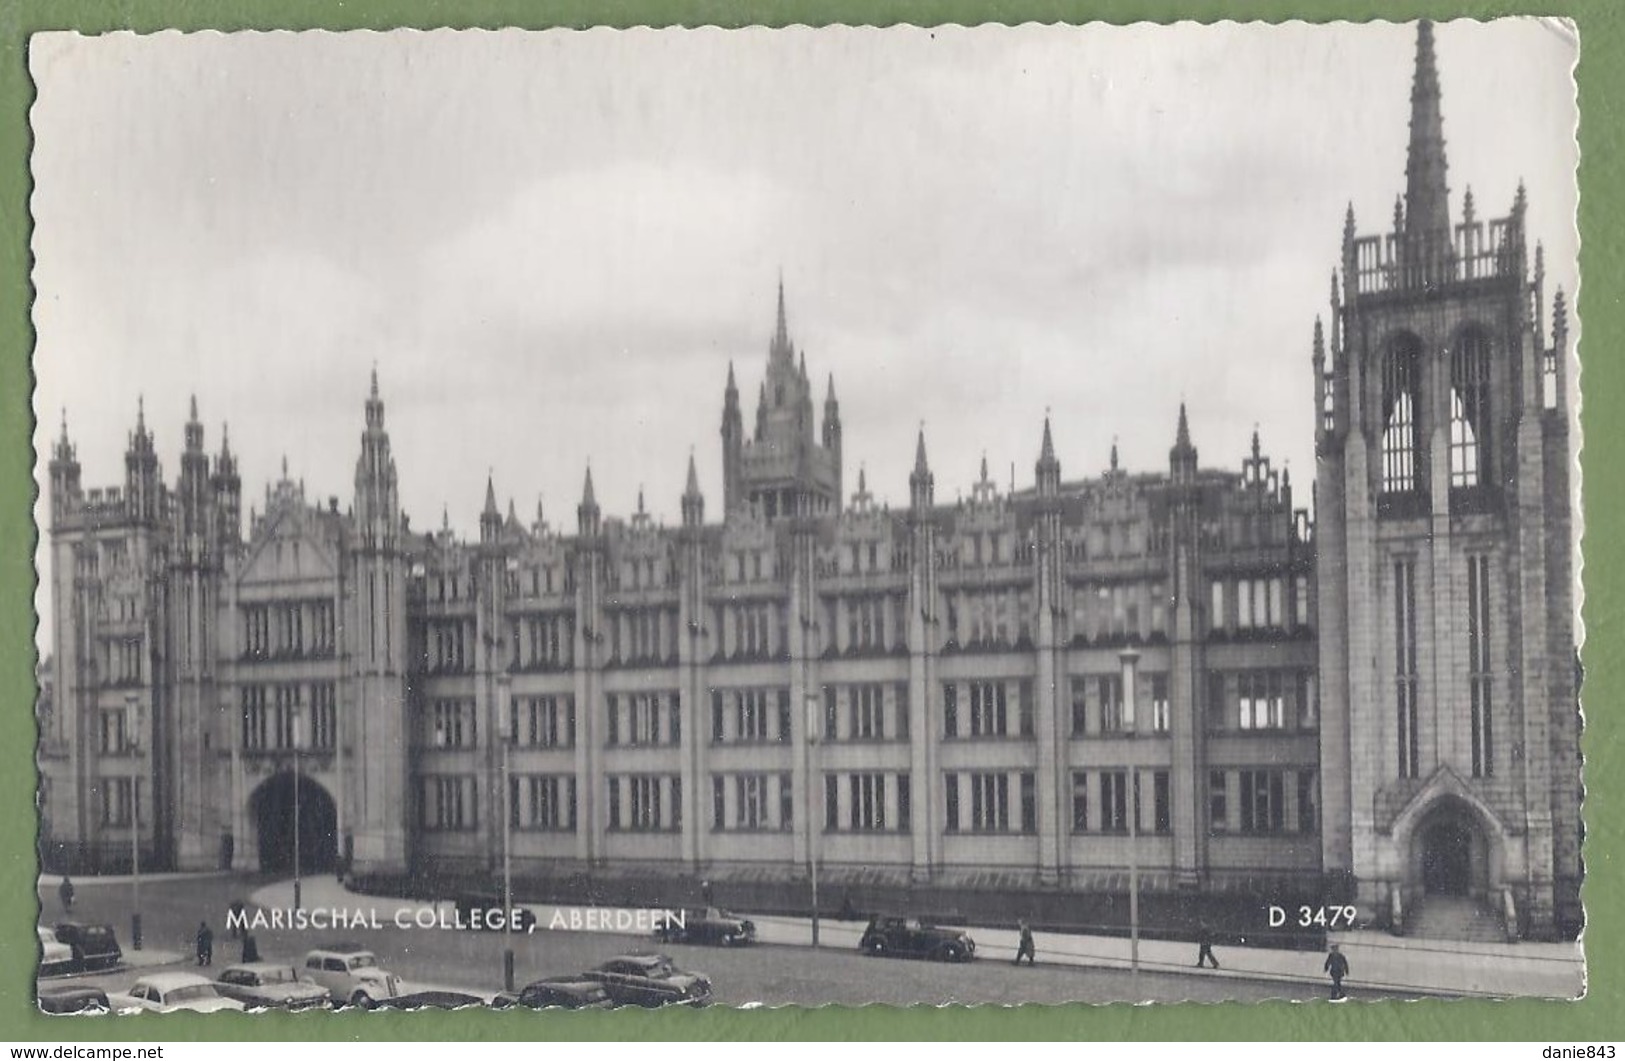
x=650, y=980
x=435, y=999
x=706, y=925
x=73, y=998
x=271, y=985
x=94, y=945
x=172, y=993
x=55, y=956
x=351, y=975
x=914, y=938
x=556, y=992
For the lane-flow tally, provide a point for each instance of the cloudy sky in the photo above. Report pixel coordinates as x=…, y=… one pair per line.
x=553, y=244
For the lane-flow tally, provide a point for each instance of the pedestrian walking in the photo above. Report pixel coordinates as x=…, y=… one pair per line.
x=205, y=944
x=1337, y=967
x=705, y=890
x=1025, y=948
x=251, y=949
x=1204, y=946
x=65, y=893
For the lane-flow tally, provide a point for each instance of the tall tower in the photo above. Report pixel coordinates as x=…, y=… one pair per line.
x=373, y=810
x=1449, y=722
x=733, y=445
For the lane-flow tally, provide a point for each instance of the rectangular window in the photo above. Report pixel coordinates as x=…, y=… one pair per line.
x=990, y=802
x=614, y=732
x=1218, y=801
x=1262, y=801
x=950, y=710
x=1405, y=677
x=449, y=804
x=950, y=790
x=1160, y=712
x=116, y=800
x=716, y=716
x=1217, y=618
x=1114, y=801
x=987, y=709
x=113, y=741
x=1308, y=791
x=614, y=802
x=452, y=724
x=1025, y=692
x=1029, y=804
x=1080, y=801
x=868, y=711
x=831, y=714
x=783, y=735
x=1080, y=706
x=1161, y=803
x=1111, y=704
x=905, y=800
x=751, y=715
x=1217, y=713
x=868, y=810
x=1479, y=664
x=787, y=801
x=719, y=802
x=750, y=808
x=644, y=797
x=1300, y=597
x=1400, y=392
x=902, y=709
x=832, y=802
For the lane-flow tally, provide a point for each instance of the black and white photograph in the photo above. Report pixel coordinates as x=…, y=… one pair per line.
x=734, y=517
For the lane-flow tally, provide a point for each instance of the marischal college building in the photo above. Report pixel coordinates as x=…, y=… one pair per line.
x=1026, y=690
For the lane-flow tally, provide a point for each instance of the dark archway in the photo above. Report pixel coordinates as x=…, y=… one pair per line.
x=274, y=813
x=1447, y=866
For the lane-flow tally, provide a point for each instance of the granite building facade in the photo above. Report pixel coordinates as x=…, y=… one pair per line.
x=1029, y=688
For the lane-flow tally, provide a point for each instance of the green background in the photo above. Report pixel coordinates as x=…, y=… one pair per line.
x=1602, y=204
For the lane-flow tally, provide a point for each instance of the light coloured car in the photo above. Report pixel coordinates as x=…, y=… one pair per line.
x=56, y=957
x=271, y=985
x=172, y=993
x=351, y=975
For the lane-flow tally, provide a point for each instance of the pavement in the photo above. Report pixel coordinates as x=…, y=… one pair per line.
x=1377, y=961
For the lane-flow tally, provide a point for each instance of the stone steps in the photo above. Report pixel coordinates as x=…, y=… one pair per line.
x=1454, y=917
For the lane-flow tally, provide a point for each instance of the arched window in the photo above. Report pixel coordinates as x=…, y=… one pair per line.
x=1400, y=401
x=1469, y=410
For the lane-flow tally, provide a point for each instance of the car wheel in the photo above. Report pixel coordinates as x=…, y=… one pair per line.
x=363, y=1000
x=876, y=947
x=950, y=953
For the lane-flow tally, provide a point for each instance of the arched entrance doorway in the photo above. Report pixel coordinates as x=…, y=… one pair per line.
x=1447, y=864
x=273, y=808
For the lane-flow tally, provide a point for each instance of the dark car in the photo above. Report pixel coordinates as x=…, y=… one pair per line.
x=707, y=925
x=95, y=946
x=556, y=992
x=650, y=980
x=271, y=985
x=483, y=910
x=431, y=1000
x=914, y=938
x=73, y=998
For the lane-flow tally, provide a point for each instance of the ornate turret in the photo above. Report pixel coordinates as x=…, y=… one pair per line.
x=228, y=491
x=921, y=483
x=832, y=430
x=1427, y=197
x=1048, y=468
x=194, y=480
x=490, y=515
x=66, y=492
x=377, y=503
x=693, y=500
x=142, y=479
x=733, y=443
x=588, y=519
x=1182, y=457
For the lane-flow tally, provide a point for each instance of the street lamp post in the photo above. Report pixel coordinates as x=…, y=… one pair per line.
x=507, y=732
x=132, y=705
x=298, y=739
x=1129, y=659
x=813, y=727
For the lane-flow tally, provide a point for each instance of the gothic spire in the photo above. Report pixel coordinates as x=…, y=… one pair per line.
x=781, y=330
x=1182, y=435
x=491, y=511
x=1427, y=203
x=692, y=489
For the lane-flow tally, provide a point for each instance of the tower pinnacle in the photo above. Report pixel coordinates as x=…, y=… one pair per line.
x=1427, y=203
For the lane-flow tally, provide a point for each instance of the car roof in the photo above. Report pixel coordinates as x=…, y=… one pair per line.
x=641, y=959
x=340, y=948
x=578, y=980
x=70, y=990
x=173, y=980
x=258, y=967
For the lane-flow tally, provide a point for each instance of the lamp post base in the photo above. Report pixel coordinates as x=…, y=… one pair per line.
x=507, y=969
x=135, y=931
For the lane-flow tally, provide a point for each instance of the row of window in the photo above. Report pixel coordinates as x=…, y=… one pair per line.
x=289, y=630
x=1403, y=471
x=1259, y=801
x=286, y=716
x=1262, y=700
x=1265, y=603
x=1480, y=664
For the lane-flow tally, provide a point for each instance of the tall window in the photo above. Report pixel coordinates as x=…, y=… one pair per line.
x=1160, y=713
x=987, y=709
x=1218, y=801
x=1469, y=409
x=1111, y=704
x=868, y=712
x=1114, y=801
x=990, y=802
x=950, y=710
x=868, y=808
x=1400, y=400
x=1080, y=802
x=1405, y=665
x=950, y=791
x=1161, y=803
x=1308, y=791
x=1263, y=801
x=1478, y=653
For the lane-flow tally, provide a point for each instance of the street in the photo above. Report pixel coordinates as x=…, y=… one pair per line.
x=764, y=973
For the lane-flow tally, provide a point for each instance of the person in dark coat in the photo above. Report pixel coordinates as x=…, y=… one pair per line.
x=1204, y=946
x=1025, y=948
x=1337, y=967
x=65, y=892
x=205, y=944
x=251, y=949
x=705, y=890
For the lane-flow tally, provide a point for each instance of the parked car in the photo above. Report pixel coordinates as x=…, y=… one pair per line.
x=271, y=985
x=173, y=992
x=650, y=980
x=706, y=925
x=439, y=999
x=914, y=938
x=556, y=992
x=55, y=956
x=73, y=998
x=95, y=945
x=351, y=975
x=475, y=910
